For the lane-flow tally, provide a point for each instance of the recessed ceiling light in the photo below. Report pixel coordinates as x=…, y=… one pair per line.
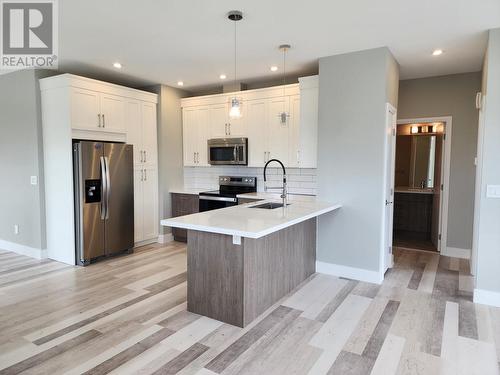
x=117, y=65
x=437, y=52
x=222, y=76
x=180, y=83
x=274, y=68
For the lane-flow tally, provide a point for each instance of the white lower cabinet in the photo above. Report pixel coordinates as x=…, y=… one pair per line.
x=145, y=204
x=138, y=205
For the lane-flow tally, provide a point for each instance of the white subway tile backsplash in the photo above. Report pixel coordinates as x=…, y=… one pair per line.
x=300, y=181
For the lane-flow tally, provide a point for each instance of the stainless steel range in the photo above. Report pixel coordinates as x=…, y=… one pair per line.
x=229, y=188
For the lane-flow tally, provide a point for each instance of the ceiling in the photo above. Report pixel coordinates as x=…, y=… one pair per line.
x=192, y=40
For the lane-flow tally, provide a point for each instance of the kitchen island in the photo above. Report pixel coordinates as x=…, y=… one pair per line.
x=242, y=259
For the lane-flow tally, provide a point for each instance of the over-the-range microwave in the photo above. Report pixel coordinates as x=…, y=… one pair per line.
x=228, y=151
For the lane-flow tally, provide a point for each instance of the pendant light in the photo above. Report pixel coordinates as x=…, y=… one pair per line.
x=284, y=48
x=235, y=103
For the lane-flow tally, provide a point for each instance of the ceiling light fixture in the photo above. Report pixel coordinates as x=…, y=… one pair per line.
x=284, y=115
x=437, y=52
x=234, y=102
x=117, y=65
x=274, y=68
x=222, y=76
x=180, y=83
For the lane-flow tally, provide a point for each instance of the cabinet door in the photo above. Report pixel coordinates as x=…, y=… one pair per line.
x=201, y=136
x=278, y=131
x=295, y=155
x=138, y=205
x=85, y=109
x=113, y=112
x=256, y=117
x=150, y=205
x=237, y=127
x=189, y=136
x=134, y=129
x=308, y=140
x=149, y=140
x=218, y=121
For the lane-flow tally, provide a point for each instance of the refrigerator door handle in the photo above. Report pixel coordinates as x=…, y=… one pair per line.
x=108, y=186
x=104, y=188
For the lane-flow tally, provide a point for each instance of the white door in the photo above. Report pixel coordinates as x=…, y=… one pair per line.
x=201, y=136
x=138, y=205
x=386, y=258
x=134, y=129
x=113, y=112
x=189, y=136
x=149, y=140
x=85, y=110
x=218, y=121
x=150, y=205
x=256, y=118
x=278, y=130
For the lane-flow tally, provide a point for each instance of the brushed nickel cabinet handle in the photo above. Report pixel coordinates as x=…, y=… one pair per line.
x=103, y=121
x=99, y=119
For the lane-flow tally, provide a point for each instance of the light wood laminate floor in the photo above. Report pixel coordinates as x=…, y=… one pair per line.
x=127, y=315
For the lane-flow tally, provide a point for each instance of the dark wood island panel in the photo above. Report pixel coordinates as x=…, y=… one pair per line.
x=236, y=283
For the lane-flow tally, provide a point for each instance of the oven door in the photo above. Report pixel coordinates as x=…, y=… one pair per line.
x=208, y=203
x=227, y=151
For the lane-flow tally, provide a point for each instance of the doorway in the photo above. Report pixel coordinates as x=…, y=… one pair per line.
x=421, y=178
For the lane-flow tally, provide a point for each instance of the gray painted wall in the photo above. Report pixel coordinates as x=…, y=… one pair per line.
x=452, y=95
x=353, y=91
x=21, y=156
x=170, y=163
x=488, y=253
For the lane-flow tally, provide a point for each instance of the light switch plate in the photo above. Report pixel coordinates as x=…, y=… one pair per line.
x=492, y=191
x=34, y=180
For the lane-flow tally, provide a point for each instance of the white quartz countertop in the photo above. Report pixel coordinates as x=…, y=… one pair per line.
x=277, y=196
x=244, y=221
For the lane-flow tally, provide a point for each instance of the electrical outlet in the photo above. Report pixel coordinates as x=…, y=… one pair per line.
x=34, y=180
x=493, y=191
x=16, y=229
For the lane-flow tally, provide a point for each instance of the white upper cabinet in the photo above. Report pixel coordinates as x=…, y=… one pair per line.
x=278, y=133
x=134, y=128
x=85, y=109
x=218, y=121
x=258, y=146
x=292, y=139
x=195, y=127
x=307, y=144
x=112, y=112
x=221, y=126
x=149, y=137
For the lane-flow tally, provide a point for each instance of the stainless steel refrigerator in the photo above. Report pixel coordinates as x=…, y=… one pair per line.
x=104, y=199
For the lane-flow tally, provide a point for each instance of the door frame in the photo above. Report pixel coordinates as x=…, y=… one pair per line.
x=387, y=259
x=445, y=174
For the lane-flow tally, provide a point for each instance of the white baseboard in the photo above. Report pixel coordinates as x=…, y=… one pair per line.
x=23, y=249
x=487, y=297
x=165, y=238
x=349, y=272
x=456, y=252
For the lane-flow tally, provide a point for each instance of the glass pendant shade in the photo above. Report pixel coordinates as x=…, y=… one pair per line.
x=235, y=108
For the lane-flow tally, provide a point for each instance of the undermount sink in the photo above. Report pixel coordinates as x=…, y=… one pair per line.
x=269, y=205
